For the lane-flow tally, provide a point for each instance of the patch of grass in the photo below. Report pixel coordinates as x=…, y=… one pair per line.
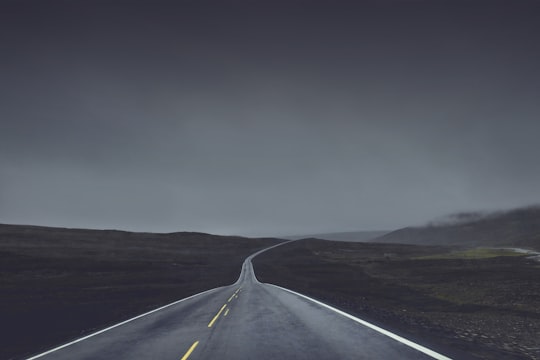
x=459, y=295
x=476, y=253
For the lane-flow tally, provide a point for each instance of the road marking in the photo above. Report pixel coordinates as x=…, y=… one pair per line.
x=246, y=263
x=234, y=295
x=217, y=315
x=186, y=355
x=119, y=324
x=226, y=312
x=402, y=340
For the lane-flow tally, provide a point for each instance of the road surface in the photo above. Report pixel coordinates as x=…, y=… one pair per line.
x=246, y=320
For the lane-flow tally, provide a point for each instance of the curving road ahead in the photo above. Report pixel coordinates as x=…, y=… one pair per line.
x=246, y=320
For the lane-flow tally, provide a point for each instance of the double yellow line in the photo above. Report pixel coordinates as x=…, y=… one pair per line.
x=223, y=308
x=217, y=315
x=194, y=345
x=233, y=295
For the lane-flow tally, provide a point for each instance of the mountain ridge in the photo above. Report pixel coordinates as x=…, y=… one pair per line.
x=514, y=228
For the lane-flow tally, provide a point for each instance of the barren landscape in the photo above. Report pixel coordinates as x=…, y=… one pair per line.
x=469, y=302
x=478, y=303
x=59, y=284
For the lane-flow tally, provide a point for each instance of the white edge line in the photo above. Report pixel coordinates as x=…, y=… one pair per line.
x=150, y=312
x=119, y=324
x=402, y=340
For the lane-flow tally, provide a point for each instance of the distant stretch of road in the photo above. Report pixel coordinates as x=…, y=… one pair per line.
x=246, y=320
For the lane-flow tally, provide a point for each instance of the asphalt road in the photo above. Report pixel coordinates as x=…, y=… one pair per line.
x=246, y=320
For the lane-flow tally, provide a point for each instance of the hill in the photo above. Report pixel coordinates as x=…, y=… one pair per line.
x=514, y=228
x=351, y=236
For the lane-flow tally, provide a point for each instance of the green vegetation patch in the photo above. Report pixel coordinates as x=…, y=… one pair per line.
x=476, y=253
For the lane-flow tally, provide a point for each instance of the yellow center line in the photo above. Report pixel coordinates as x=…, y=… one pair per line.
x=233, y=295
x=217, y=315
x=226, y=312
x=186, y=355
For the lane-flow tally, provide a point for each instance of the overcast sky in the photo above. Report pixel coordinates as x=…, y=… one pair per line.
x=266, y=117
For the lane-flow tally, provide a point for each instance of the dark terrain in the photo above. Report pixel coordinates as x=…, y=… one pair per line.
x=481, y=302
x=59, y=284
x=471, y=296
x=517, y=228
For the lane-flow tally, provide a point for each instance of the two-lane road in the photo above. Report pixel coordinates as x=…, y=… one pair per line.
x=247, y=320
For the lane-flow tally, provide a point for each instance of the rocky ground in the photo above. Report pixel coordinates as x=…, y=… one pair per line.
x=482, y=304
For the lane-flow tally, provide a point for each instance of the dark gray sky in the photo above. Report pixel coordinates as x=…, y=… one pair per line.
x=266, y=117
